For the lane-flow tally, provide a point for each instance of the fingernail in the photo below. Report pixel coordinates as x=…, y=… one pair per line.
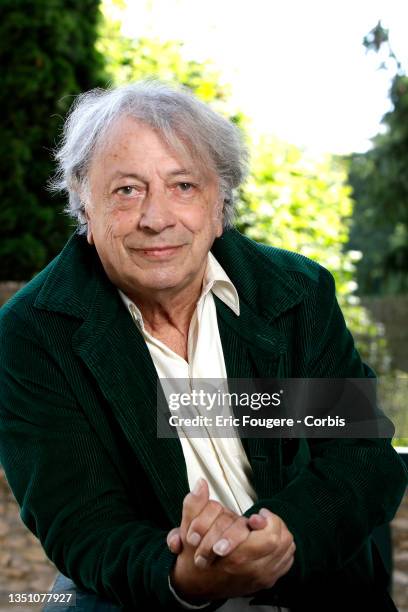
x=197, y=487
x=264, y=512
x=200, y=562
x=194, y=539
x=255, y=515
x=173, y=541
x=259, y=516
x=221, y=547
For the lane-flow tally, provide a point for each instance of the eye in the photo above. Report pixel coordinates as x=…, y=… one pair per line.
x=185, y=187
x=127, y=190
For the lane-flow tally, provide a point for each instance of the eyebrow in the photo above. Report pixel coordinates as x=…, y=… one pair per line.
x=139, y=177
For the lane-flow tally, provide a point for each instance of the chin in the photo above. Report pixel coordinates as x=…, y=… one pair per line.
x=160, y=283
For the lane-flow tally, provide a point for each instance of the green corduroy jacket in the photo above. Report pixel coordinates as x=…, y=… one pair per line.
x=79, y=446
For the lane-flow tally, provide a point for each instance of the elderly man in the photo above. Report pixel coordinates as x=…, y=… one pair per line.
x=156, y=283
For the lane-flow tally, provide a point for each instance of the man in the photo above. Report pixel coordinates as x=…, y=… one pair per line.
x=156, y=283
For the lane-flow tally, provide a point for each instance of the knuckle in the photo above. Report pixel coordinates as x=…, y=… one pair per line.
x=236, y=560
x=187, y=501
x=238, y=532
x=224, y=521
x=227, y=511
x=196, y=525
x=287, y=539
x=241, y=522
x=215, y=506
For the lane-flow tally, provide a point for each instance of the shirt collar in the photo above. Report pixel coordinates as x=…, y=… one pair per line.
x=215, y=280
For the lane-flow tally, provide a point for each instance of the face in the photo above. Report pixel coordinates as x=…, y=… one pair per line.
x=152, y=215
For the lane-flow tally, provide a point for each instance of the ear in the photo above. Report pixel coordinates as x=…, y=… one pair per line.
x=219, y=218
x=89, y=234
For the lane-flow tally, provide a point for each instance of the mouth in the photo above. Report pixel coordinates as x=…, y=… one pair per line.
x=162, y=252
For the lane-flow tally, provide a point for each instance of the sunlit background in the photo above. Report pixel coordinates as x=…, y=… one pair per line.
x=297, y=69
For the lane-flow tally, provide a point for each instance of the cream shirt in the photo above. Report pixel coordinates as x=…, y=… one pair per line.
x=221, y=461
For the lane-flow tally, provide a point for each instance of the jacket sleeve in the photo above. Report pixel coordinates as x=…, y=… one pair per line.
x=350, y=486
x=68, y=489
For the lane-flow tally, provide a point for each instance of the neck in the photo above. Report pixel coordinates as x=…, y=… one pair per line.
x=164, y=310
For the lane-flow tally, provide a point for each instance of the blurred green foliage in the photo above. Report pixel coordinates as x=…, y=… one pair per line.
x=379, y=228
x=380, y=184
x=47, y=50
x=131, y=59
x=302, y=204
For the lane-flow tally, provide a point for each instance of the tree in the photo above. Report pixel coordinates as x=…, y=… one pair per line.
x=48, y=49
x=131, y=59
x=302, y=204
x=380, y=184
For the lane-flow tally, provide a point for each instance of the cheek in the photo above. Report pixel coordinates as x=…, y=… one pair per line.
x=199, y=220
x=120, y=223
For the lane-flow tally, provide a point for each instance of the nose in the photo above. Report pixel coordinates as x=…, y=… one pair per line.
x=156, y=214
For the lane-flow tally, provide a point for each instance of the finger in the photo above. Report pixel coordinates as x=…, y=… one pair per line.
x=232, y=537
x=257, y=521
x=267, y=574
x=174, y=541
x=237, y=533
x=282, y=570
x=263, y=542
x=226, y=533
x=272, y=541
x=203, y=521
x=287, y=556
x=193, y=504
x=235, y=538
x=222, y=525
x=278, y=539
x=213, y=537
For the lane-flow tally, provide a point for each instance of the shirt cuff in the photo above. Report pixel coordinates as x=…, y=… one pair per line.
x=185, y=604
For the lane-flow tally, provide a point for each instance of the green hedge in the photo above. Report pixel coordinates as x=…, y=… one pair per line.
x=47, y=50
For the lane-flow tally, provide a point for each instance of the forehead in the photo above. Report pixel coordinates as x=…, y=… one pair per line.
x=129, y=140
x=126, y=131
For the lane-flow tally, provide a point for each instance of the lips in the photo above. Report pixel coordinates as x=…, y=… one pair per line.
x=159, y=252
x=158, y=248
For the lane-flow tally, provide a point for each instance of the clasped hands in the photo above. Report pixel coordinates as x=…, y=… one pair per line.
x=221, y=554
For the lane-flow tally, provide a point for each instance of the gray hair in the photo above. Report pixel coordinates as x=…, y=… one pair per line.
x=185, y=123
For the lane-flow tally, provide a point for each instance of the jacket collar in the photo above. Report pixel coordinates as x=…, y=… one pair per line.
x=76, y=276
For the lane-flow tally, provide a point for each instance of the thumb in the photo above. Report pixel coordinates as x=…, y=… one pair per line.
x=194, y=502
x=257, y=521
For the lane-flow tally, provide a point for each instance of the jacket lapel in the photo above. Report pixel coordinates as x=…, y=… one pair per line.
x=114, y=351
x=253, y=347
x=116, y=354
x=251, y=351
